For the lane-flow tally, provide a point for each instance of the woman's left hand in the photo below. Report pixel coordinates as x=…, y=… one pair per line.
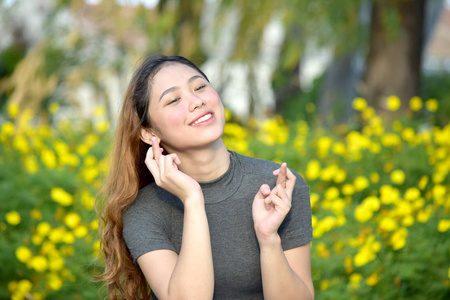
x=270, y=207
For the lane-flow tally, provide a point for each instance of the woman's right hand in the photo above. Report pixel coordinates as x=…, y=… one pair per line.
x=164, y=169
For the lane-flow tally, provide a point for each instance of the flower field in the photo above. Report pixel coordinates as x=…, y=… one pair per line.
x=380, y=195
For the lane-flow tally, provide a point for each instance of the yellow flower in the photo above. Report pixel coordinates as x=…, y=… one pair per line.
x=398, y=177
x=56, y=263
x=38, y=296
x=359, y=103
x=324, y=284
x=328, y=173
x=94, y=225
x=43, y=228
x=102, y=126
x=424, y=214
x=338, y=148
x=438, y=192
x=415, y=103
x=82, y=149
x=54, y=108
x=31, y=164
x=361, y=183
x=348, y=263
x=87, y=200
x=13, y=218
x=374, y=177
x=68, y=238
x=372, y=203
x=54, y=281
x=23, y=254
x=36, y=214
x=37, y=239
x=7, y=129
x=99, y=111
x=72, y=220
x=368, y=113
x=313, y=170
x=39, y=263
x=393, y=103
x=372, y=279
x=47, y=247
x=423, y=182
x=322, y=250
x=61, y=196
x=314, y=198
x=404, y=208
x=388, y=224
x=48, y=158
x=390, y=140
x=13, y=110
x=432, y=105
x=419, y=203
x=408, y=134
x=69, y=159
x=21, y=144
x=355, y=280
x=348, y=189
x=227, y=115
x=273, y=131
x=56, y=235
x=24, y=286
x=412, y=194
x=398, y=239
x=96, y=247
x=408, y=220
x=388, y=167
x=363, y=214
x=90, y=174
x=323, y=146
x=388, y=194
x=81, y=231
x=331, y=193
x=235, y=130
x=340, y=176
x=444, y=225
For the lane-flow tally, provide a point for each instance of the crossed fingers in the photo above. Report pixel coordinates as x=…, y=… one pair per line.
x=159, y=164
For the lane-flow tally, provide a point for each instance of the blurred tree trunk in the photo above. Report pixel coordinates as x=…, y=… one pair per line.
x=187, y=32
x=394, y=61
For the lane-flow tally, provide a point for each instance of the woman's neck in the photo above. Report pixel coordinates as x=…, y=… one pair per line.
x=205, y=164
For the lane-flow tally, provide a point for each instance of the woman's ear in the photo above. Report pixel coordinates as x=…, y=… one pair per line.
x=147, y=134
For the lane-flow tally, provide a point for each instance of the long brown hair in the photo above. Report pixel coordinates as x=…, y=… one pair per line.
x=127, y=174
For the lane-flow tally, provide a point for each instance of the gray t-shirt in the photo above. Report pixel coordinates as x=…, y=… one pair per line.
x=155, y=221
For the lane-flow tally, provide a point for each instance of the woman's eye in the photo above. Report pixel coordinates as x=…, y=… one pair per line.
x=200, y=87
x=173, y=101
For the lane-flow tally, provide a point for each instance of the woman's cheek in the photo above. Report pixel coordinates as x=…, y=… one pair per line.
x=176, y=116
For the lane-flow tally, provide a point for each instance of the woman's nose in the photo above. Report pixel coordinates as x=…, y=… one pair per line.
x=195, y=102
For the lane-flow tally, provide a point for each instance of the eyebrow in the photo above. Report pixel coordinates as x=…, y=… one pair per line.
x=175, y=87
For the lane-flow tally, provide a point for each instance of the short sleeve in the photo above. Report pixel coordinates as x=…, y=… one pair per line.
x=296, y=229
x=145, y=227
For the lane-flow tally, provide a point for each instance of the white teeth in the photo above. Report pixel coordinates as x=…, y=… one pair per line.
x=204, y=118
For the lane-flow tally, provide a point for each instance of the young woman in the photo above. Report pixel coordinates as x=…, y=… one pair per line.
x=189, y=217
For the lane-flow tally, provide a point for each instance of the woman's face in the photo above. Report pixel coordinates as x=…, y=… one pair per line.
x=185, y=110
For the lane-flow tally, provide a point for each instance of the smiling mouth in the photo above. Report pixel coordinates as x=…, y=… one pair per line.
x=202, y=119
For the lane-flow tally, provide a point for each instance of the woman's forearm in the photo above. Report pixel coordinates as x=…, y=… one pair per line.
x=193, y=275
x=279, y=280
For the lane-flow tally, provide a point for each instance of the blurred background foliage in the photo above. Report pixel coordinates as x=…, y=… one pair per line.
x=353, y=94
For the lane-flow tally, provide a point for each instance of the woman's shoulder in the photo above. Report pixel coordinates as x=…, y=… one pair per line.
x=152, y=197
